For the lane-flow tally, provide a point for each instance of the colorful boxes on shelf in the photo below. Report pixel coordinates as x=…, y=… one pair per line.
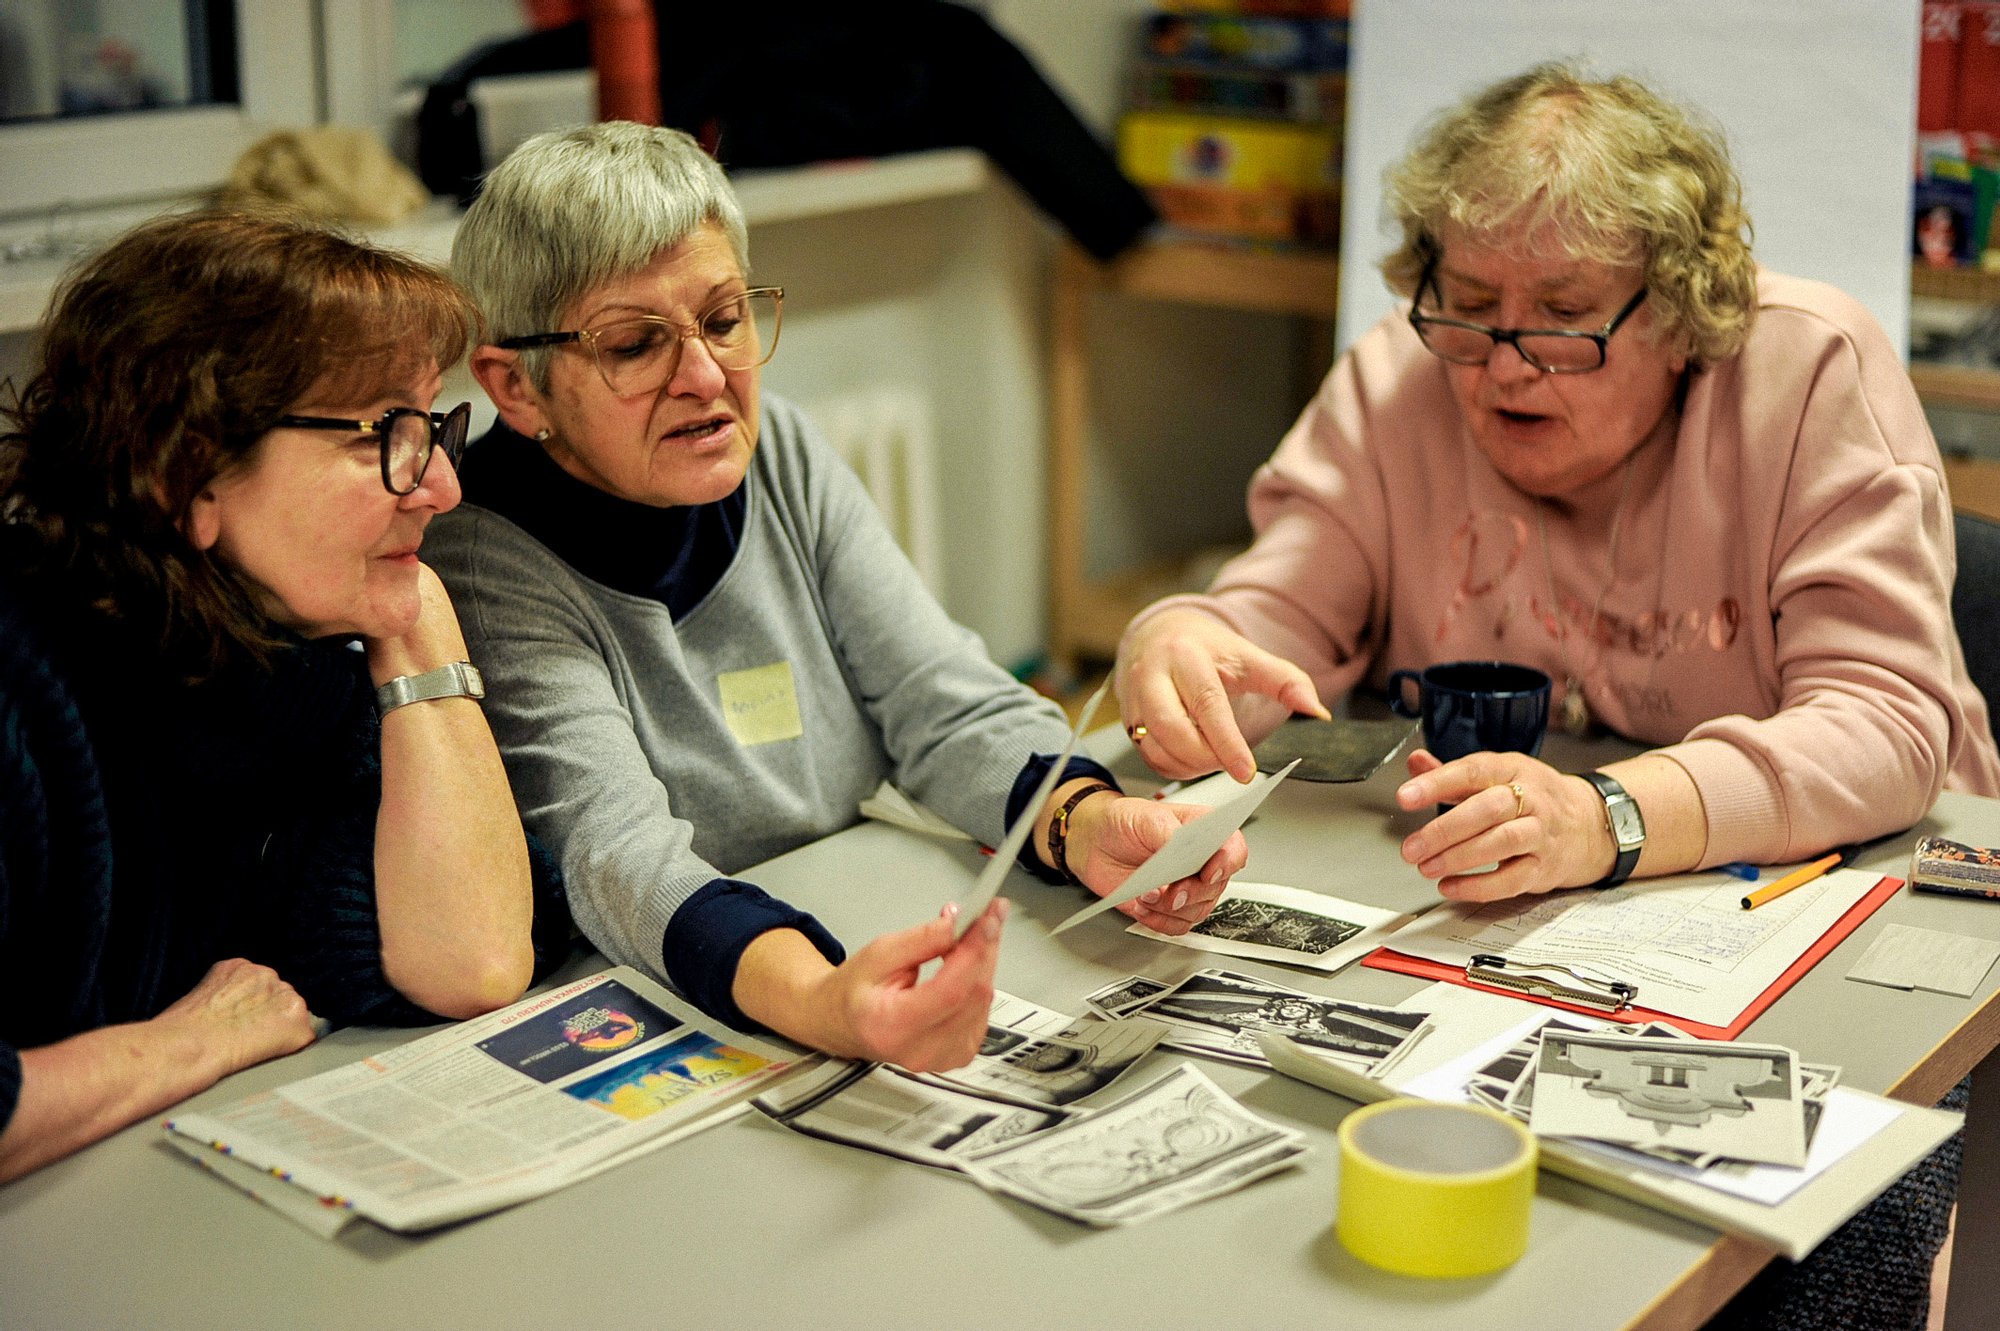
x=1236, y=113
x=1260, y=180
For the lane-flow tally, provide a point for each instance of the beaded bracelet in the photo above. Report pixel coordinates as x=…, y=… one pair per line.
x=1059, y=827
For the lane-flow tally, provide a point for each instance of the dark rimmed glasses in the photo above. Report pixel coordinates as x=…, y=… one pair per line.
x=408, y=438
x=639, y=355
x=1550, y=350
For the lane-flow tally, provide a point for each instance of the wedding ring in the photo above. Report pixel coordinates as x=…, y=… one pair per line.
x=1136, y=732
x=1520, y=798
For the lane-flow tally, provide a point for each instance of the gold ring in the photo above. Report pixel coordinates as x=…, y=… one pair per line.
x=1137, y=733
x=1520, y=798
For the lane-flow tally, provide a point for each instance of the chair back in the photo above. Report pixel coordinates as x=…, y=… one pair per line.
x=1975, y=602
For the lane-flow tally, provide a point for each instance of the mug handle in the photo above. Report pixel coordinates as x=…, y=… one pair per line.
x=1396, y=705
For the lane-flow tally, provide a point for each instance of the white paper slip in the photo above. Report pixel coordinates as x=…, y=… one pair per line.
x=1267, y=922
x=1208, y=791
x=1905, y=957
x=973, y=904
x=892, y=806
x=1188, y=848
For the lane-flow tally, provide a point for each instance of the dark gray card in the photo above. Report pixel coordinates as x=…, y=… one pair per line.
x=1336, y=750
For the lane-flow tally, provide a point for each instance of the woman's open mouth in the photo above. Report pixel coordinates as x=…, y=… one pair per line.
x=707, y=430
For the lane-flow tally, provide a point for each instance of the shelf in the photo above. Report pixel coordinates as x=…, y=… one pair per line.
x=1087, y=615
x=787, y=194
x=1954, y=283
x=1974, y=484
x=1104, y=606
x=1298, y=282
x=1956, y=386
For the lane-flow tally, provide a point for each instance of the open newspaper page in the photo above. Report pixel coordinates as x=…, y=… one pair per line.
x=499, y=1109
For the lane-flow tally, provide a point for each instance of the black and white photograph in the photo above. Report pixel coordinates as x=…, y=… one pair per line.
x=877, y=1109
x=1172, y=1143
x=1124, y=997
x=1058, y=1069
x=1220, y=1014
x=1703, y=1097
x=1269, y=922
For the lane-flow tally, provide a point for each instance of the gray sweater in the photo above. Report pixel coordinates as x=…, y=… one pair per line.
x=650, y=757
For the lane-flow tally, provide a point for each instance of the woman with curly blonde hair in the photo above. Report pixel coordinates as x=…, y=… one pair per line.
x=1700, y=496
x=1600, y=441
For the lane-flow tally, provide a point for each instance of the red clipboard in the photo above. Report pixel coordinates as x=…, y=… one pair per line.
x=1382, y=959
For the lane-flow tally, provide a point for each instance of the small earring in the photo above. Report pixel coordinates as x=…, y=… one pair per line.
x=542, y=435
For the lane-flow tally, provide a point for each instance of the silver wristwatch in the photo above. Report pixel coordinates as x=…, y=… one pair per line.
x=1628, y=828
x=453, y=679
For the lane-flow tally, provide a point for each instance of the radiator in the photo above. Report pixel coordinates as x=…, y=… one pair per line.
x=886, y=435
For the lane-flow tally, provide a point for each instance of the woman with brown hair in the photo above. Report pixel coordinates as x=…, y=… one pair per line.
x=212, y=494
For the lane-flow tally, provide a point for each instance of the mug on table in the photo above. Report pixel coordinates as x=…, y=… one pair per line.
x=1475, y=707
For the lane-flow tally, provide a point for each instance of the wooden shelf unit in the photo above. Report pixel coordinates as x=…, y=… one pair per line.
x=1956, y=385
x=1954, y=283
x=1087, y=614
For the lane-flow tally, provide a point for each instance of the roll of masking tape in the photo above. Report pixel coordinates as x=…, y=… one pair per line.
x=1434, y=1189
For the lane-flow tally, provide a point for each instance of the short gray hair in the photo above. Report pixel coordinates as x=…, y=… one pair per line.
x=570, y=210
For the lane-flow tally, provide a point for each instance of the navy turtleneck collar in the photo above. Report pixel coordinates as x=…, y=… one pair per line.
x=672, y=555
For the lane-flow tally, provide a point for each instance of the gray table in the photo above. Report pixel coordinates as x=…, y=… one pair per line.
x=751, y=1226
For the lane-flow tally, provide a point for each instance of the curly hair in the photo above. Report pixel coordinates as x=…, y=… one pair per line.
x=1609, y=169
x=164, y=360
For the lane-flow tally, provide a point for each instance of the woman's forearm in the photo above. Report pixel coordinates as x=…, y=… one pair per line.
x=1676, y=823
x=87, y=1087
x=452, y=886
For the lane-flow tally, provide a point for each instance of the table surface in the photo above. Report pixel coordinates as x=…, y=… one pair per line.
x=750, y=1225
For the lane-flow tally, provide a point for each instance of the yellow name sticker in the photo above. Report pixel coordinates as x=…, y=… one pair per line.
x=760, y=705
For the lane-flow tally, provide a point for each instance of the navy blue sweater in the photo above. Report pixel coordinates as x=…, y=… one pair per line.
x=149, y=829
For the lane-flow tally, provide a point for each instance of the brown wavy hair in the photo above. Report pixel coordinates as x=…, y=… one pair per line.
x=164, y=361
x=1614, y=170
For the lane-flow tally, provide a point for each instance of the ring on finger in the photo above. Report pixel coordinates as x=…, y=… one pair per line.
x=1520, y=798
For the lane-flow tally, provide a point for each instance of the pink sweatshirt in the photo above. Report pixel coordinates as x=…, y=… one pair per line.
x=1780, y=614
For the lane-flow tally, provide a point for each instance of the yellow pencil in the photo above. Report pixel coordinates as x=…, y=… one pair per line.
x=1796, y=878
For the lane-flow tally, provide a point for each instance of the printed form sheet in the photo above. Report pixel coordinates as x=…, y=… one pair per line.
x=1686, y=942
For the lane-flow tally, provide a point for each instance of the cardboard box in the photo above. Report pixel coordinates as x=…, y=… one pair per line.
x=1264, y=180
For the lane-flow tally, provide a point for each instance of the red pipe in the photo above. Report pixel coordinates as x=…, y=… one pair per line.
x=626, y=54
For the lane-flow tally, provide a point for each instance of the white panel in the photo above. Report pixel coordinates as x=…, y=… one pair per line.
x=1818, y=98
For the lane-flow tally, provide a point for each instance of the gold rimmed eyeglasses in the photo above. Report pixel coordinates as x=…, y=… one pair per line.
x=639, y=355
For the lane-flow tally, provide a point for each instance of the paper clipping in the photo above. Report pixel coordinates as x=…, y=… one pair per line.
x=1267, y=922
x=1220, y=1014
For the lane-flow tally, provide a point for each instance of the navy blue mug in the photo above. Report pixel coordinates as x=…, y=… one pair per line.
x=1476, y=707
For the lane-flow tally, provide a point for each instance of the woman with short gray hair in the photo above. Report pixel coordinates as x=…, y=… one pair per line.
x=702, y=646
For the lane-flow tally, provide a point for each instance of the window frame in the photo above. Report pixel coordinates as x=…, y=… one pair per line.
x=99, y=161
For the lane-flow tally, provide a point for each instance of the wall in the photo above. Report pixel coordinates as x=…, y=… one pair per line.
x=1817, y=98
x=1186, y=401
x=950, y=296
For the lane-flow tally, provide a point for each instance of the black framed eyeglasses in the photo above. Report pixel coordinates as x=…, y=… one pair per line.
x=408, y=439
x=639, y=355
x=1550, y=350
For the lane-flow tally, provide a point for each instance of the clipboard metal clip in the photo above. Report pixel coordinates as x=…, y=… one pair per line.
x=1549, y=979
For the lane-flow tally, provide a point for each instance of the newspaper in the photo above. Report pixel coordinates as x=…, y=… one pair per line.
x=488, y=1112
